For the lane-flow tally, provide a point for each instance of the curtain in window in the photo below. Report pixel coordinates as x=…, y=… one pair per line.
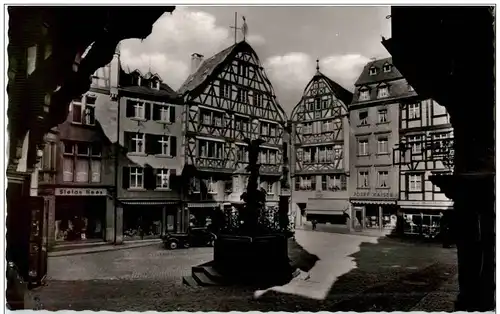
x=82, y=170
x=68, y=169
x=96, y=170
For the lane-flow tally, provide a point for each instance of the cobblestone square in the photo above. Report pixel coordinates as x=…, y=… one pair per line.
x=355, y=273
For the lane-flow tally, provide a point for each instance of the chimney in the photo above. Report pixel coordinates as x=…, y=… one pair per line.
x=196, y=60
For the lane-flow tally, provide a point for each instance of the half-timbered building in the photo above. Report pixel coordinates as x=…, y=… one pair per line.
x=425, y=149
x=320, y=163
x=228, y=98
x=374, y=114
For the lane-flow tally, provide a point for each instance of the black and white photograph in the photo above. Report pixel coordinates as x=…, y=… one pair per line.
x=271, y=157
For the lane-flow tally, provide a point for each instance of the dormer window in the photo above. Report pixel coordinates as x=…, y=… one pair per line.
x=383, y=91
x=373, y=71
x=155, y=84
x=364, y=95
x=136, y=80
x=387, y=68
x=410, y=88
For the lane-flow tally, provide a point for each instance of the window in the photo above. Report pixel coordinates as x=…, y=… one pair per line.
x=270, y=188
x=382, y=179
x=155, y=84
x=228, y=186
x=363, y=118
x=329, y=154
x=264, y=129
x=363, y=179
x=387, y=68
x=243, y=70
x=136, y=178
x=210, y=149
x=415, y=142
x=164, y=145
x=373, y=71
x=307, y=183
x=440, y=140
x=257, y=99
x=383, y=92
x=84, y=111
x=242, y=153
x=364, y=95
x=163, y=179
x=317, y=101
x=138, y=143
x=81, y=162
x=414, y=111
x=363, y=147
x=139, y=110
x=225, y=90
x=211, y=186
x=272, y=157
x=31, y=56
x=272, y=130
x=195, y=184
x=382, y=116
x=242, y=96
x=383, y=147
x=163, y=113
x=308, y=128
x=217, y=119
x=334, y=183
x=415, y=182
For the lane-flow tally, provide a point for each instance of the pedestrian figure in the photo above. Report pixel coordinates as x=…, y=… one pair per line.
x=314, y=223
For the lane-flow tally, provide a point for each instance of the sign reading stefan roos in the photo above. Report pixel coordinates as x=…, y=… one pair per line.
x=375, y=194
x=80, y=192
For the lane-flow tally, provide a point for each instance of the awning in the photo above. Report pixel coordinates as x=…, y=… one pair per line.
x=446, y=205
x=327, y=206
x=373, y=202
x=203, y=205
x=150, y=202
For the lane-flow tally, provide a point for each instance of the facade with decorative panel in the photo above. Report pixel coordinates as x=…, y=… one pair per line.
x=229, y=98
x=320, y=138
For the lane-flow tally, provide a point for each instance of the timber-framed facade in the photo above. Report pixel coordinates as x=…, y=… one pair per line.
x=425, y=149
x=228, y=98
x=320, y=160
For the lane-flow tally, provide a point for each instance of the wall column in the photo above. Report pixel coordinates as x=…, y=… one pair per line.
x=163, y=220
x=110, y=222
x=51, y=221
x=380, y=218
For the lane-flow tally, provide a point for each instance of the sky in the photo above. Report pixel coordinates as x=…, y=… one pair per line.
x=288, y=40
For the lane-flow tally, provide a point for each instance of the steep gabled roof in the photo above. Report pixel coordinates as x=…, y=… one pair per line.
x=205, y=69
x=341, y=93
x=366, y=78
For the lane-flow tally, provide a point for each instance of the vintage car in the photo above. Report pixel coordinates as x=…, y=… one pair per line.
x=195, y=236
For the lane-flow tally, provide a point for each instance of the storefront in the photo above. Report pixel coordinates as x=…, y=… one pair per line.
x=200, y=214
x=80, y=214
x=424, y=218
x=378, y=215
x=144, y=220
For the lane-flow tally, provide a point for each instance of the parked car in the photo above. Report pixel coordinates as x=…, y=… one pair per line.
x=195, y=236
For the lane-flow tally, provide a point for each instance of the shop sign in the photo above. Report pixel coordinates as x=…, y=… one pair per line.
x=80, y=192
x=375, y=194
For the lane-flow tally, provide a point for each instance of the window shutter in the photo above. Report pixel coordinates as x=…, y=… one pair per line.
x=173, y=146
x=149, y=149
x=156, y=112
x=157, y=145
x=127, y=140
x=149, y=178
x=343, y=182
x=172, y=179
x=126, y=177
x=130, y=111
x=147, y=111
x=172, y=114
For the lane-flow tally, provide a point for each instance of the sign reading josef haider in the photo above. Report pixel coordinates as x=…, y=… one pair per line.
x=375, y=194
x=80, y=192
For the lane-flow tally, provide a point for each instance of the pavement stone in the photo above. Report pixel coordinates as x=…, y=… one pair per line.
x=351, y=269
